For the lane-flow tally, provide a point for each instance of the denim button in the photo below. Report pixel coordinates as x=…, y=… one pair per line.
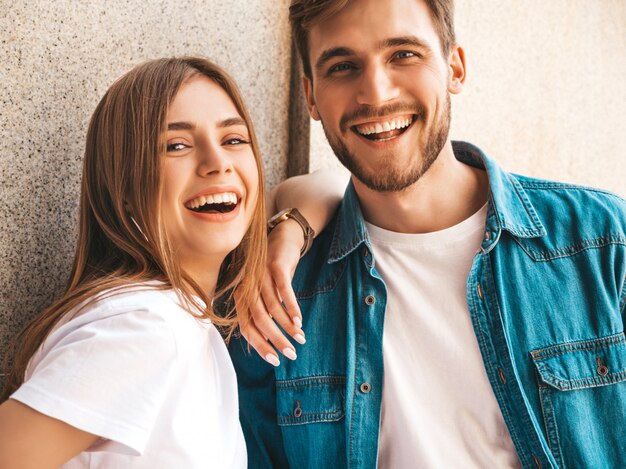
x=365, y=388
x=480, y=291
x=602, y=369
x=297, y=412
x=487, y=236
x=502, y=375
x=370, y=300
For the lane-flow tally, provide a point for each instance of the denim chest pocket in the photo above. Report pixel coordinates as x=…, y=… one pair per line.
x=582, y=387
x=311, y=414
x=310, y=400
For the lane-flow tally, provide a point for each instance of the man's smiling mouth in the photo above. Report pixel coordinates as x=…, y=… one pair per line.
x=384, y=130
x=223, y=202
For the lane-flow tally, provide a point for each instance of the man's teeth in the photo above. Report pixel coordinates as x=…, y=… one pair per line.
x=386, y=126
x=222, y=198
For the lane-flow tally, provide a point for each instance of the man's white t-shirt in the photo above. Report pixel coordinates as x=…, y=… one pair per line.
x=438, y=408
x=156, y=384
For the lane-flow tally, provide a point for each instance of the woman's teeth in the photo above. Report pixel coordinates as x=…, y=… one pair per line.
x=222, y=202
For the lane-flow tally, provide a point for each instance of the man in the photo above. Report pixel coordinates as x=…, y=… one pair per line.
x=456, y=315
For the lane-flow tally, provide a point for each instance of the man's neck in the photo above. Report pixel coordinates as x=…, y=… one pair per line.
x=447, y=194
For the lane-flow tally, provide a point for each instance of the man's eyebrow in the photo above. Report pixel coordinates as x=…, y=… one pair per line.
x=403, y=41
x=331, y=53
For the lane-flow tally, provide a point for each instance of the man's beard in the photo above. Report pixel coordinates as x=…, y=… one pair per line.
x=393, y=178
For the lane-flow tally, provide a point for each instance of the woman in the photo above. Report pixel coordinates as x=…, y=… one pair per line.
x=127, y=369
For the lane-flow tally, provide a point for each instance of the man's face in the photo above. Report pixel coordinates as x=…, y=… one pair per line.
x=380, y=87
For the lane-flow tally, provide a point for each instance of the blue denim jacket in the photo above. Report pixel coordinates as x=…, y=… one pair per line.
x=546, y=295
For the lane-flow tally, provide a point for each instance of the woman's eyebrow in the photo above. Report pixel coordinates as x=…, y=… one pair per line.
x=181, y=126
x=232, y=121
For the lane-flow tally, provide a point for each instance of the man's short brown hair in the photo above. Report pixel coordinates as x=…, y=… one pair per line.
x=304, y=14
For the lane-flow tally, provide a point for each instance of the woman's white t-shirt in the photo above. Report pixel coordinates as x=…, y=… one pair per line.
x=155, y=383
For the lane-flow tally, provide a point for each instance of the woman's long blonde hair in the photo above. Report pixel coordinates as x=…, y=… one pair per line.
x=122, y=175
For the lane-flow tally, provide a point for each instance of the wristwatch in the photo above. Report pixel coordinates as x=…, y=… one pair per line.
x=294, y=214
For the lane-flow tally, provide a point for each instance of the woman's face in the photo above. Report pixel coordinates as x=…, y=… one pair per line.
x=210, y=176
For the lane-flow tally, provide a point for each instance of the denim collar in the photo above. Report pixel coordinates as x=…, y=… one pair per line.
x=509, y=206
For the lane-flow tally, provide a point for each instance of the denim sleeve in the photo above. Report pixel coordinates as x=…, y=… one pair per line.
x=257, y=407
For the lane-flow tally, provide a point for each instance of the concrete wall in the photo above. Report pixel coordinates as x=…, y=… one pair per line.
x=58, y=59
x=544, y=96
x=545, y=92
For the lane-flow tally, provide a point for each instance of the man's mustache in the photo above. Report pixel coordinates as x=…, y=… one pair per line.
x=366, y=112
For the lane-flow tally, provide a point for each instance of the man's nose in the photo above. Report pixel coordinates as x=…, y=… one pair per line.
x=213, y=160
x=377, y=85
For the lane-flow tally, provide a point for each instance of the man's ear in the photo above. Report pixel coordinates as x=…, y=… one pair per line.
x=307, y=86
x=456, y=69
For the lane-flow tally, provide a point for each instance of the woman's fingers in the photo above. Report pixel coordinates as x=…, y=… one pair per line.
x=281, y=273
x=274, y=307
x=259, y=343
x=263, y=333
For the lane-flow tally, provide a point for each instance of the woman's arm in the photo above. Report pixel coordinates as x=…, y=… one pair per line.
x=316, y=196
x=32, y=440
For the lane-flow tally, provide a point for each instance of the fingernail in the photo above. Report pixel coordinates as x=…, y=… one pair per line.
x=272, y=359
x=297, y=321
x=300, y=339
x=290, y=353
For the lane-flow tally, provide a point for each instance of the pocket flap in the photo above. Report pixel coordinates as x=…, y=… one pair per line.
x=583, y=364
x=310, y=400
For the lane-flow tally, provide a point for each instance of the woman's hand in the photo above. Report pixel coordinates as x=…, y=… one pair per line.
x=277, y=304
x=316, y=196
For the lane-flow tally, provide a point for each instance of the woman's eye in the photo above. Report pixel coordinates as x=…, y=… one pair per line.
x=236, y=141
x=176, y=146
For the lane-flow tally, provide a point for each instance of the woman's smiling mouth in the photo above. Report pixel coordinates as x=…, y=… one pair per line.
x=222, y=202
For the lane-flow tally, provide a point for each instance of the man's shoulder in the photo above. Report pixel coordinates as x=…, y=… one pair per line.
x=559, y=198
x=575, y=217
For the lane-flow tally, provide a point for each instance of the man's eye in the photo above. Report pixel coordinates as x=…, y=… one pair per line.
x=405, y=54
x=176, y=146
x=340, y=67
x=236, y=141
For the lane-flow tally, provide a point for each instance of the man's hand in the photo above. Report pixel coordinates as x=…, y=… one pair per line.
x=277, y=304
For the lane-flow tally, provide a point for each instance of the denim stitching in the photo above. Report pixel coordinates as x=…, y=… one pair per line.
x=354, y=391
x=579, y=345
x=549, y=421
x=583, y=383
x=568, y=251
x=526, y=202
x=481, y=339
x=312, y=418
x=521, y=405
x=327, y=287
x=548, y=185
x=316, y=381
x=623, y=297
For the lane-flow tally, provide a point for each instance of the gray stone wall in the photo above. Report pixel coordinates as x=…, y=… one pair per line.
x=58, y=58
x=544, y=96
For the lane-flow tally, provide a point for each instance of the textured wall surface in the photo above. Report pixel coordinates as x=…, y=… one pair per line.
x=58, y=59
x=544, y=96
x=545, y=92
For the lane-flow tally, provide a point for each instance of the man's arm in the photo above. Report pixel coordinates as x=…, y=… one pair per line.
x=316, y=196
